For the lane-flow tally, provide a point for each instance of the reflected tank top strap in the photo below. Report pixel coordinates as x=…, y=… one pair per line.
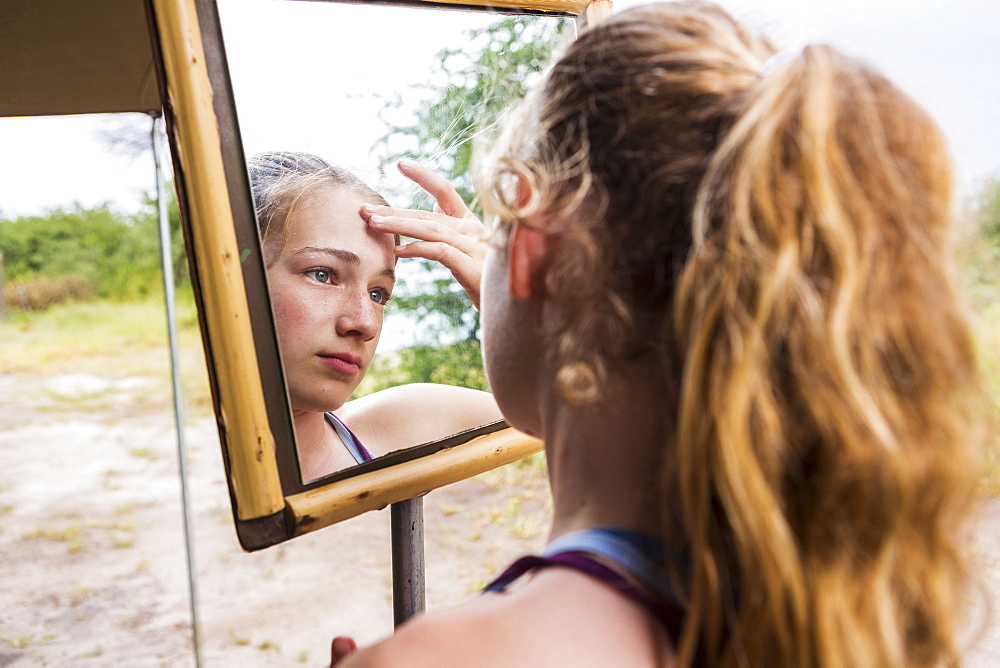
x=350, y=441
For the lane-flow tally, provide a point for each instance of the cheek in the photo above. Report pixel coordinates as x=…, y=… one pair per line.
x=504, y=335
x=289, y=311
x=290, y=315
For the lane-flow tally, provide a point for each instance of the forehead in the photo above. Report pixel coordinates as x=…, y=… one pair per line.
x=331, y=217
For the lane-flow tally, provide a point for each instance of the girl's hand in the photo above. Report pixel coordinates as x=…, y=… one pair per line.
x=450, y=234
x=340, y=648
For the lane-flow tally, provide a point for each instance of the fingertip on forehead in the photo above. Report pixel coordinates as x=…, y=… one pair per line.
x=387, y=241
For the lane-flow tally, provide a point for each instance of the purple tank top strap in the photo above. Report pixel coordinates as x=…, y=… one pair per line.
x=670, y=616
x=353, y=444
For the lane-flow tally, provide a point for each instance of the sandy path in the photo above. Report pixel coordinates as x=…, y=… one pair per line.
x=92, y=555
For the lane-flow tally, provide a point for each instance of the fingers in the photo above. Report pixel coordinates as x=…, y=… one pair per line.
x=450, y=234
x=466, y=269
x=449, y=202
x=463, y=233
x=340, y=648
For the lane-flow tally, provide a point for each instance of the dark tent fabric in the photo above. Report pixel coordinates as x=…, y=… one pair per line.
x=75, y=57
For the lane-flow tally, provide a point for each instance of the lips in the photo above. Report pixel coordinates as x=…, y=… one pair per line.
x=344, y=363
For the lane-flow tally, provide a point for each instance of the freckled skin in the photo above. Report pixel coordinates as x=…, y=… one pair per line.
x=330, y=271
x=326, y=287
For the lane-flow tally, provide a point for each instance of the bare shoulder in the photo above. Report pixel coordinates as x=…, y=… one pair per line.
x=439, y=639
x=560, y=618
x=408, y=415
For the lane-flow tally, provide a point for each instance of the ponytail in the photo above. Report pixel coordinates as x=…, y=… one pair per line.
x=780, y=244
x=825, y=446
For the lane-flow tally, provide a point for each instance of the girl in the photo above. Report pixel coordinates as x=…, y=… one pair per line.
x=722, y=294
x=330, y=276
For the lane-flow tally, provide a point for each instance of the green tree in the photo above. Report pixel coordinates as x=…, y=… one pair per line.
x=988, y=212
x=96, y=251
x=476, y=85
x=178, y=247
x=116, y=256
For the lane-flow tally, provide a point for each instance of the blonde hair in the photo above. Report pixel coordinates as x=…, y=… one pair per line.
x=280, y=179
x=781, y=243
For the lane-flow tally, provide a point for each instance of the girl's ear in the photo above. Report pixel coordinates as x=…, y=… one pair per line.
x=526, y=256
x=524, y=191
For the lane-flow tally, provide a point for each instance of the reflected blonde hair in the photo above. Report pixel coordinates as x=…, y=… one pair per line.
x=781, y=244
x=280, y=180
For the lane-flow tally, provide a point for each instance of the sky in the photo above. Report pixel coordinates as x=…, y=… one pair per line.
x=348, y=61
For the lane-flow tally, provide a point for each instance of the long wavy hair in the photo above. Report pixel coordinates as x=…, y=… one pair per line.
x=780, y=241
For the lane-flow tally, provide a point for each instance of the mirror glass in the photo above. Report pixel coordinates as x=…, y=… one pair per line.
x=361, y=86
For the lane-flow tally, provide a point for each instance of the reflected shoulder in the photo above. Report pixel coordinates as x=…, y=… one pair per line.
x=409, y=415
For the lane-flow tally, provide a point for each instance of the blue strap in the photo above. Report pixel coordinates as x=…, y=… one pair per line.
x=639, y=554
x=629, y=561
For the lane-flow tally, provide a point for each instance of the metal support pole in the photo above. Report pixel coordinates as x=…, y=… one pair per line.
x=408, y=596
x=167, y=259
x=3, y=299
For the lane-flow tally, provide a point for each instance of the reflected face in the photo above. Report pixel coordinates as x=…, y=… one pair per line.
x=329, y=287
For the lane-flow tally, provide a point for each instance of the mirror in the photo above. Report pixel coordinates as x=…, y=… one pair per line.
x=309, y=81
x=331, y=98
x=355, y=117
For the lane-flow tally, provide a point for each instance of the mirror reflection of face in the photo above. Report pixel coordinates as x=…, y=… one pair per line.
x=329, y=286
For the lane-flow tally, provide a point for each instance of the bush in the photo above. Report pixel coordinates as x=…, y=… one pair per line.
x=117, y=255
x=454, y=364
x=41, y=293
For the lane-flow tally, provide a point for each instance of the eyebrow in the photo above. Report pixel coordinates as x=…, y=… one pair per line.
x=344, y=256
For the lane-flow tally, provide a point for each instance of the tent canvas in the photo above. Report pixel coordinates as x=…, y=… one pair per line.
x=78, y=57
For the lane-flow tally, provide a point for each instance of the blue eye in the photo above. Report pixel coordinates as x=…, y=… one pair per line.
x=379, y=296
x=321, y=275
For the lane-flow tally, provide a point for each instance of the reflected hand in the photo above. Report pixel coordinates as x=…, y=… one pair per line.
x=340, y=648
x=451, y=234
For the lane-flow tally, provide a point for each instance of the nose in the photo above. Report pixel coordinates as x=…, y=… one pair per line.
x=360, y=317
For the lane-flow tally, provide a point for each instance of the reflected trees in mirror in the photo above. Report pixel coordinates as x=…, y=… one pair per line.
x=431, y=335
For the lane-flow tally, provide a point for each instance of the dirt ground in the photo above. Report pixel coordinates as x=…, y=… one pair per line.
x=92, y=552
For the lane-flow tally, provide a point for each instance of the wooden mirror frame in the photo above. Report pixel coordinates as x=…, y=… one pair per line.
x=270, y=504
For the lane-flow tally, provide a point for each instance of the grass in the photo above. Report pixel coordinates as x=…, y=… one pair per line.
x=143, y=452
x=111, y=477
x=121, y=543
x=989, y=338
x=239, y=641
x=92, y=654
x=528, y=527
x=119, y=533
x=528, y=471
x=94, y=337
x=72, y=535
x=125, y=508
x=130, y=338
x=981, y=285
x=22, y=642
x=451, y=510
x=79, y=595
